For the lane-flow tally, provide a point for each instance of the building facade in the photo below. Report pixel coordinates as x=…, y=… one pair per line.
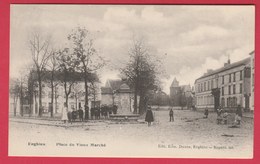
x=76, y=99
x=180, y=95
x=227, y=87
x=252, y=101
x=117, y=92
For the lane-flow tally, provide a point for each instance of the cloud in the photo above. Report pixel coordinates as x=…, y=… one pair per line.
x=195, y=38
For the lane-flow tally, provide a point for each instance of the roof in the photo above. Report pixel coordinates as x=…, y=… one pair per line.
x=106, y=90
x=230, y=66
x=175, y=83
x=115, y=85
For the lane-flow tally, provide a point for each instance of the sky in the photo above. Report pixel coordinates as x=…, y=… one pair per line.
x=189, y=39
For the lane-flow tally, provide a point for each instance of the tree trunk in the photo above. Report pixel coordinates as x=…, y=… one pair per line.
x=21, y=100
x=135, y=100
x=52, y=97
x=15, y=104
x=56, y=101
x=52, y=92
x=40, y=97
x=67, y=100
x=142, y=106
x=86, y=90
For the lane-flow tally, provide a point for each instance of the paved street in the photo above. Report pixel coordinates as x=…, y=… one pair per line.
x=189, y=128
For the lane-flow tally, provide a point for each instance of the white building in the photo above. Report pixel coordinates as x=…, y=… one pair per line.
x=228, y=86
x=252, y=103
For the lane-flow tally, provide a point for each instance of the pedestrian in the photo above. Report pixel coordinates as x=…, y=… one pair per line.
x=238, y=116
x=70, y=115
x=206, y=113
x=225, y=117
x=114, y=109
x=92, y=113
x=149, y=116
x=74, y=114
x=80, y=114
x=219, y=115
x=64, y=116
x=171, y=115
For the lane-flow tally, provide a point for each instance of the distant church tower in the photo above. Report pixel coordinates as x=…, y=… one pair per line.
x=174, y=87
x=175, y=92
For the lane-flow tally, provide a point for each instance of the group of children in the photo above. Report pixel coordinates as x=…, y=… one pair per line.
x=222, y=116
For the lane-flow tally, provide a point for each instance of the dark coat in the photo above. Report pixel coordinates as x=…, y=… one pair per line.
x=80, y=113
x=171, y=113
x=149, y=116
x=239, y=111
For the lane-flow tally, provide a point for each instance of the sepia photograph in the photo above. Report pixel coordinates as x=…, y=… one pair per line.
x=149, y=81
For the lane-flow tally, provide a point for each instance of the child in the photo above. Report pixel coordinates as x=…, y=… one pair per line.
x=206, y=113
x=225, y=117
x=219, y=117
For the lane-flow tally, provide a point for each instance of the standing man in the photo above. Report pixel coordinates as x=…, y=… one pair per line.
x=238, y=116
x=171, y=115
x=206, y=113
x=80, y=114
x=219, y=115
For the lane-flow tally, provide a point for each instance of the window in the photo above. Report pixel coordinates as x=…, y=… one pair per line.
x=222, y=79
x=230, y=78
x=205, y=86
x=208, y=85
x=228, y=102
x=212, y=84
x=222, y=91
x=234, y=101
x=223, y=102
x=234, y=77
x=240, y=88
x=234, y=89
x=241, y=75
x=229, y=90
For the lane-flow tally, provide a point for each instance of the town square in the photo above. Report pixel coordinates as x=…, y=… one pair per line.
x=132, y=81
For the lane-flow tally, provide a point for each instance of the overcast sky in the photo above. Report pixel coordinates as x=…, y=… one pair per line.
x=190, y=39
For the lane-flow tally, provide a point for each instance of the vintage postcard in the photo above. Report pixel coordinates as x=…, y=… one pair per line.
x=167, y=81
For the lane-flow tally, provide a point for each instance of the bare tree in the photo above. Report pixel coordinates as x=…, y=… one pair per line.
x=78, y=93
x=141, y=72
x=93, y=92
x=67, y=70
x=39, y=47
x=53, y=66
x=15, y=92
x=87, y=56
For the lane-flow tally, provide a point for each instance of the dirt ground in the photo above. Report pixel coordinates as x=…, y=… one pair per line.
x=188, y=129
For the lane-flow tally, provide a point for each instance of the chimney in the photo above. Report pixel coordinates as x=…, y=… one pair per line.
x=228, y=62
